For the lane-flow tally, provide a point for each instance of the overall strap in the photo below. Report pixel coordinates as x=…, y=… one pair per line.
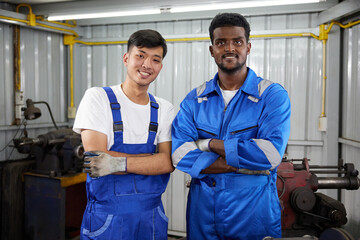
x=153, y=127
x=117, y=122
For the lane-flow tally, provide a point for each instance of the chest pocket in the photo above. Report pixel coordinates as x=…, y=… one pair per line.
x=205, y=131
x=243, y=131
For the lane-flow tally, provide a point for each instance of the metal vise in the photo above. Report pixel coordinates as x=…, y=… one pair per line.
x=56, y=152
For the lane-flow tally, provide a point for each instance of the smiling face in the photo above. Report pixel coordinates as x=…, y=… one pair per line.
x=143, y=65
x=230, y=48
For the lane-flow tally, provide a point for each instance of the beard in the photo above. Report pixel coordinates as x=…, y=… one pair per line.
x=231, y=70
x=234, y=69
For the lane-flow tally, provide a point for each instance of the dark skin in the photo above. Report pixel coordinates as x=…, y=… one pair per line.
x=229, y=50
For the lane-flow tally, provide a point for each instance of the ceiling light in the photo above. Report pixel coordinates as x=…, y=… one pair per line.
x=186, y=8
x=103, y=14
x=232, y=5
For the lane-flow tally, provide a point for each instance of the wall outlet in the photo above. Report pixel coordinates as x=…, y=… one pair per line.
x=19, y=97
x=19, y=103
x=322, y=124
x=71, y=112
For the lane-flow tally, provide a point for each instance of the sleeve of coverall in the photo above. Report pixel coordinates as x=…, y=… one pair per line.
x=266, y=150
x=185, y=154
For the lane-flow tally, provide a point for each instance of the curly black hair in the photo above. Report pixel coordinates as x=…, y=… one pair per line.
x=147, y=38
x=229, y=19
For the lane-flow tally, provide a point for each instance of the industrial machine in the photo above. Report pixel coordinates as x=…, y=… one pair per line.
x=56, y=153
x=306, y=212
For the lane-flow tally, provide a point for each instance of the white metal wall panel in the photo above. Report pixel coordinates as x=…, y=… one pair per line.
x=350, y=114
x=351, y=84
x=42, y=69
x=42, y=72
x=6, y=73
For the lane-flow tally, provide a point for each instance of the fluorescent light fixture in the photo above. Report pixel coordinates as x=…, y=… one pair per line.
x=177, y=9
x=103, y=14
x=231, y=5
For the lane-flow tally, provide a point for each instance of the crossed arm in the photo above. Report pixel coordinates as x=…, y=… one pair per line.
x=220, y=165
x=145, y=164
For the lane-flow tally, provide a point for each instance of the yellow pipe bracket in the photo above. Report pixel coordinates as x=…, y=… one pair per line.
x=323, y=32
x=30, y=17
x=69, y=39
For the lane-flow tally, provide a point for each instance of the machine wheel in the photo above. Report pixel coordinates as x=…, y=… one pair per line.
x=303, y=199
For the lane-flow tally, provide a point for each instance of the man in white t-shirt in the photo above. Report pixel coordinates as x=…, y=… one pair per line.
x=126, y=133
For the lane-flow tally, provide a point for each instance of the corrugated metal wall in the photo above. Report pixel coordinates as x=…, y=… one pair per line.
x=293, y=62
x=42, y=71
x=350, y=116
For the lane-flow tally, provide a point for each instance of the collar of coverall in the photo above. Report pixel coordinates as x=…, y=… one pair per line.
x=250, y=85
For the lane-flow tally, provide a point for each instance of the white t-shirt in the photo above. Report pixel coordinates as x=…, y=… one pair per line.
x=94, y=113
x=228, y=95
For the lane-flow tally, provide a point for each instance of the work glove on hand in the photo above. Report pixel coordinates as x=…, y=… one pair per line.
x=203, y=144
x=99, y=164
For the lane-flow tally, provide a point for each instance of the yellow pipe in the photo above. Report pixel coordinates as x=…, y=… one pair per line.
x=58, y=29
x=41, y=25
x=71, y=76
x=61, y=23
x=66, y=24
x=24, y=5
x=323, y=79
x=203, y=38
x=15, y=19
x=348, y=25
x=31, y=17
x=99, y=43
x=187, y=39
x=285, y=35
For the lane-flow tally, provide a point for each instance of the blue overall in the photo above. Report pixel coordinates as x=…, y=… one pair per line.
x=126, y=206
x=255, y=128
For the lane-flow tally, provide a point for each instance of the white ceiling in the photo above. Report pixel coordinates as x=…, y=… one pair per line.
x=48, y=7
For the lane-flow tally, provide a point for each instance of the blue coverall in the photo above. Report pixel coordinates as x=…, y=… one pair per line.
x=126, y=207
x=255, y=127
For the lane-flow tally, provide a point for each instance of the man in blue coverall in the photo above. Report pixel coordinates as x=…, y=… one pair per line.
x=230, y=135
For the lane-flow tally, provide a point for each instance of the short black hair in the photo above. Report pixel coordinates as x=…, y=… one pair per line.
x=229, y=19
x=147, y=38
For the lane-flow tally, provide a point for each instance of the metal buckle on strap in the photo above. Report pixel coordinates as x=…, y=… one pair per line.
x=118, y=126
x=114, y=106
x=154, y=104
x=153, y=127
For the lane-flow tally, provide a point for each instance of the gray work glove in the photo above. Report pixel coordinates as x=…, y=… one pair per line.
x=99, y=164
x=203, y=144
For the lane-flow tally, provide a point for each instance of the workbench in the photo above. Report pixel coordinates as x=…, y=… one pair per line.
x=54, y=206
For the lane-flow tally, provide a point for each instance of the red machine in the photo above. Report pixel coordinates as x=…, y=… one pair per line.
x=304, y=211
